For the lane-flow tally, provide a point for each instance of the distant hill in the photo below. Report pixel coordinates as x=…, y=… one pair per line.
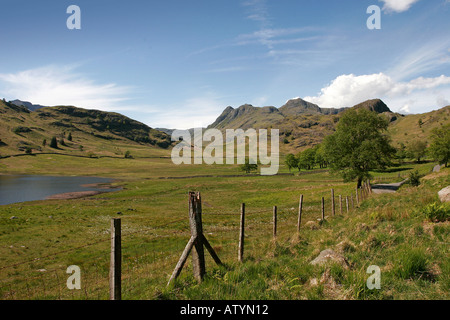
x=26, y=104
x=91, y=130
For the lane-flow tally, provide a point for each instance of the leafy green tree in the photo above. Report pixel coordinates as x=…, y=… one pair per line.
x=440, y=144
x=417, y=149
x=320, y=156
x=307, y=158
x=69, y=137
x=291, y=161
x=248, y=167
x=360, y=144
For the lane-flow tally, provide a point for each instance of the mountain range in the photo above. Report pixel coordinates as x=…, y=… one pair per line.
x=302, y=125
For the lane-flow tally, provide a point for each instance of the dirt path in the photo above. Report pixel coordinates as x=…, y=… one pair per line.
x=387, y=188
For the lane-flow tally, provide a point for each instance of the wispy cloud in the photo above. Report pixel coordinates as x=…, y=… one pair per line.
x=194, y=112
x=429, y=57
x=63, y=85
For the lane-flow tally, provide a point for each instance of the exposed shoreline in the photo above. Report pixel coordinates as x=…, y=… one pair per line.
x=84, y=194
x=73, y=195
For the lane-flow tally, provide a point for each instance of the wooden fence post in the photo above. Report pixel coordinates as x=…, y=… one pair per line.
x=115, y=270
x=357, y=197
x=241, y=235
x=195, y=222
x=197, y=241
x=300, y=209
x=351, y=198
x=323, y=208
x=346, y=202
x=274, y=222
x=333, y=208
x=340, y=204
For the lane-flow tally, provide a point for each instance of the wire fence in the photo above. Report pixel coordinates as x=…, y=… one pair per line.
x=150, y=252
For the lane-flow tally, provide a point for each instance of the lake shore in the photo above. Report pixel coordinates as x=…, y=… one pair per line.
x=83, y=194
x=73, y=195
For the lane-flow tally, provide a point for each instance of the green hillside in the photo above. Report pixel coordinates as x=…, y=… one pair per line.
x=77, y=131
x=418, y=126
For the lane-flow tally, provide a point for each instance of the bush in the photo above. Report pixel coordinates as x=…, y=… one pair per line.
x=414, y=178
x=28, y=150
x=128, y=155
x=54, y=143
x=437, y=212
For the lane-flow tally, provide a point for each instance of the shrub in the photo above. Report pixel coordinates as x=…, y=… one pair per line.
x=28, y=150
x=437, y=212
x=414, y=178
x=128, y=155
x=54, y=143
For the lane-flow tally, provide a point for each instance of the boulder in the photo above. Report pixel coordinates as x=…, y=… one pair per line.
x=329, y=255
x=444, y=194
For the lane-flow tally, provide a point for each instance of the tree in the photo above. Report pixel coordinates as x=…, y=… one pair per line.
x=417, y=149
x=359, y=145
x=44, y=142
x=440, y=144
x=291, y=161
x=248, y=167
x=70, y=136
x=401, y=153
x=54, y=143
x=307, y=159
x=320, y=156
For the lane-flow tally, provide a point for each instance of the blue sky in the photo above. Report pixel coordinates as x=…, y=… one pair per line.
x=178, y=64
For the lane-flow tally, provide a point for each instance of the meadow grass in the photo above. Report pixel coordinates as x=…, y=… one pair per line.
x=388, y=230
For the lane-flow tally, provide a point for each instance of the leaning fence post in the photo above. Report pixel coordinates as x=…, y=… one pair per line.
x=115, y=286
x=333, y=209
x=274, y=222
x=197, y=241
x=241, y=235
x=195, y=222
x=300, y=209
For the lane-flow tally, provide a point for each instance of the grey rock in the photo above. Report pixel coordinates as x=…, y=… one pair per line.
x=444, y=194
x=329, y=255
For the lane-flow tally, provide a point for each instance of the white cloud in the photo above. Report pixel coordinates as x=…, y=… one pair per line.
x=418, y=95
x=398, y=5
x=61, y=85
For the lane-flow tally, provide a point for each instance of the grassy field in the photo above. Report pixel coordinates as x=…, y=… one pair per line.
x=391, y=231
